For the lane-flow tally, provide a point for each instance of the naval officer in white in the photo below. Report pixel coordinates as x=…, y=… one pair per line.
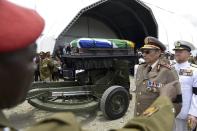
x=188, y=78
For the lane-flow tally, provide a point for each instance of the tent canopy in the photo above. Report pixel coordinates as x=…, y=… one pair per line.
x=129, y=19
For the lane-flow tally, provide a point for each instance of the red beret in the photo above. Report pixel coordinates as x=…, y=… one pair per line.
x=19, y=26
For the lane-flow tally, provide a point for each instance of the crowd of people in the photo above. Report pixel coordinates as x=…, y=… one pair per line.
x=48, y=68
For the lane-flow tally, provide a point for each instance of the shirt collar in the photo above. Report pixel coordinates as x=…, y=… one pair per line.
x=154, y=64
x=183, y=64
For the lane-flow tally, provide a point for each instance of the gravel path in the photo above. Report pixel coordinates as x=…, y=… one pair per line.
x=25, y=115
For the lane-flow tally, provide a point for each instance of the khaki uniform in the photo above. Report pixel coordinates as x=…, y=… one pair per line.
x=153, y=120
x=147, y=83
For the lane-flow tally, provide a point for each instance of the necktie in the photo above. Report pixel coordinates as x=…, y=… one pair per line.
x=149, y=68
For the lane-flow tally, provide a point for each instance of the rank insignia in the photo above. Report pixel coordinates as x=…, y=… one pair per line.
x=177, y=44
x=151, y=110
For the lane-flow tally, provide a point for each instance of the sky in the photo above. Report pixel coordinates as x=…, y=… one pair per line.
x=177, y=19
x=178, y=15
x=186, y=8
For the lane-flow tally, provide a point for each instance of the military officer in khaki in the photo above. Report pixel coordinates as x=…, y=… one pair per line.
x=16, y=55
x=152, y=75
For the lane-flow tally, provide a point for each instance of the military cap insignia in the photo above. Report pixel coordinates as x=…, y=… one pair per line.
x=151, y=110
x=146, y=40
x=177, y=44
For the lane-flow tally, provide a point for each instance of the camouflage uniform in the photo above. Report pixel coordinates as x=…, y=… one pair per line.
x=46, y=67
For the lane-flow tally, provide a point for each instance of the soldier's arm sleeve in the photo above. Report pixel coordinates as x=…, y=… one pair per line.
x=57, y=122
x=193, y=106
x=172, y=75
x=158, y=117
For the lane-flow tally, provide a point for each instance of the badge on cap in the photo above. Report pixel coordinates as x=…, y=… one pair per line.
x=178, y=44
x=146, y=41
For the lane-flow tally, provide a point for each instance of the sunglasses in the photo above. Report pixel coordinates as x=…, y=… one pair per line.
x=147, y=51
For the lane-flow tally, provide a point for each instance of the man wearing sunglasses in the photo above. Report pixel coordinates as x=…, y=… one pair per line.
x=187, y=118
x=153, y=74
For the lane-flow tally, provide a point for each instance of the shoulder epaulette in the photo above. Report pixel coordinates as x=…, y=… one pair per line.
x=173, y=63
x=194, y=65
x=166, y=65
x=142, y=63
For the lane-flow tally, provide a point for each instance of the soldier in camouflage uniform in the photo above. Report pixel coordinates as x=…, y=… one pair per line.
x=46, y=67
x=152, y=75
x=17, y=53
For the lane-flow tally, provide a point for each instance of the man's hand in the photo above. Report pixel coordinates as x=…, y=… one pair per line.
x=170, y=90
x=192, y=122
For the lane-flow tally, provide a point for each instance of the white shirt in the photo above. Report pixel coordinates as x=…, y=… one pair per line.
x=154, y=64
x=187, y=83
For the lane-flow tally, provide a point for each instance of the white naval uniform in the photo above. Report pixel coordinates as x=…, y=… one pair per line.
x=188, y=80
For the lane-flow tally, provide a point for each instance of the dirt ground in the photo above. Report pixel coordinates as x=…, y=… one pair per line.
x=25, y=115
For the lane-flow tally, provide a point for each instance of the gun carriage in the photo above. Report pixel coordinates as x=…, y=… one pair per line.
x=94, y=78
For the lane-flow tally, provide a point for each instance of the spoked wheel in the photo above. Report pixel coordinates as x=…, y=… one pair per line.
x=65, y=103
x=114, y=102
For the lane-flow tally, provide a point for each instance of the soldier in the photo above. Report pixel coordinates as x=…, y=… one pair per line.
x=153, y=74
x=46, y=66
x=188, y=79
x=17, y=53
x=19, y=28
x=56, y=69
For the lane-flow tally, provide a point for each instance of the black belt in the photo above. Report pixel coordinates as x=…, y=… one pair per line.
x=178, y=99
x=195, y=90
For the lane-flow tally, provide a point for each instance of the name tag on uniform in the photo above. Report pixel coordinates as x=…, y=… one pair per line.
x=186, y=72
